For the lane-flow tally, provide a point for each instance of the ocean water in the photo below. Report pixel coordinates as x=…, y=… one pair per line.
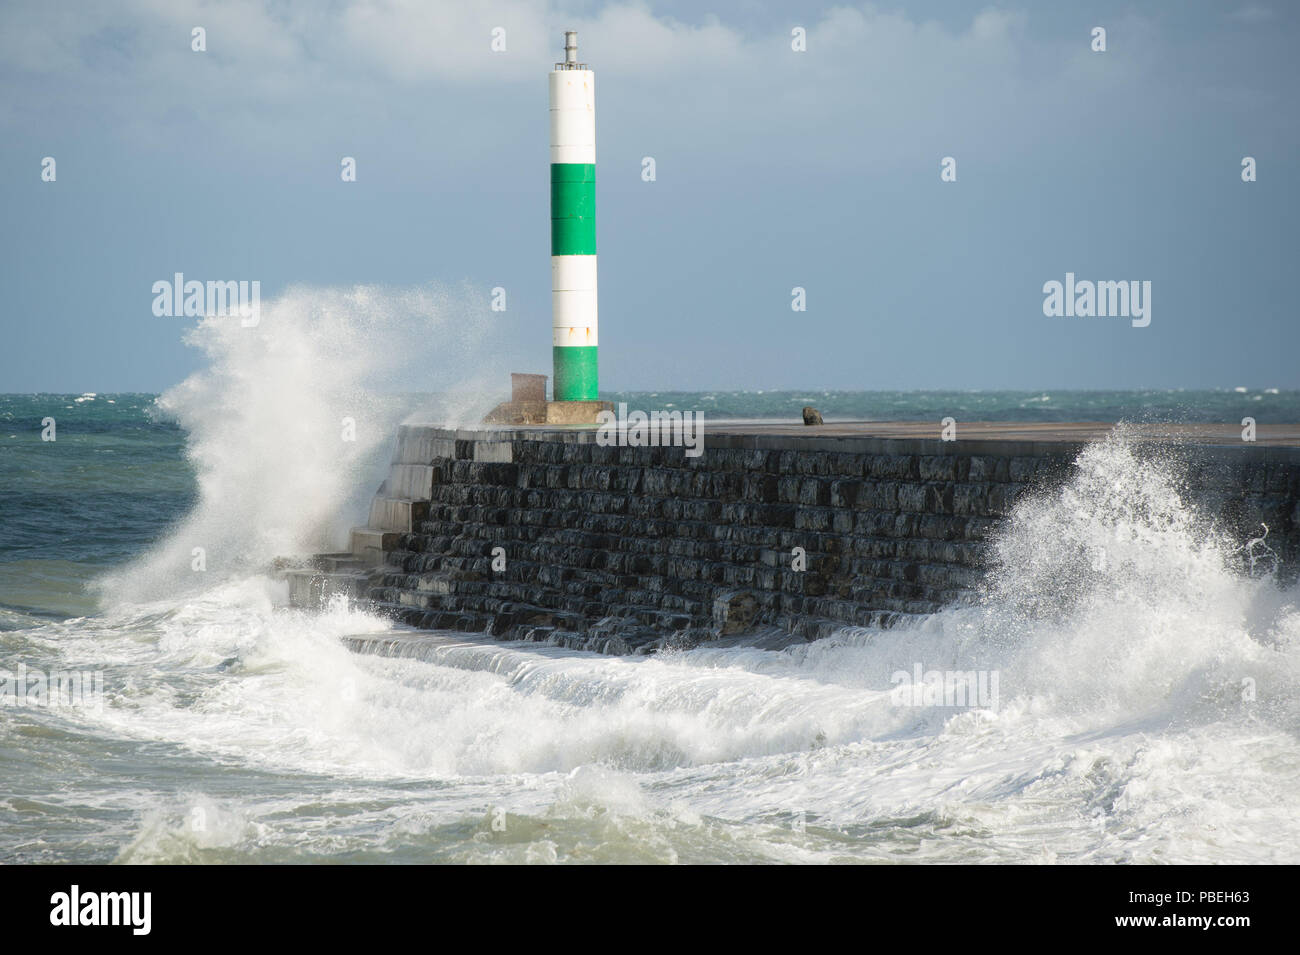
x=1176, y=406
x=1147, y=711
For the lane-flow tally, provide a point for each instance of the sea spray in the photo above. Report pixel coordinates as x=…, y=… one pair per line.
x=290, y=422
x=1113, y=593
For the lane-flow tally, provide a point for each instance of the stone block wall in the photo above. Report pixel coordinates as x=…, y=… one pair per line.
x=541, y=534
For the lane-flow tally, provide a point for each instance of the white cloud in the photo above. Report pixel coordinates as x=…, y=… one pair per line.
x=288, y=72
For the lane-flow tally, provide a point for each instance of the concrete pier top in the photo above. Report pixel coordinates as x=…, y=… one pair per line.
x=1283, y=435
x=1272, y=441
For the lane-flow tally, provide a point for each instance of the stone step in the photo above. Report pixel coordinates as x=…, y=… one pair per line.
x=413, y=482
x=311, y=589
x=397, y=514
x=370, y=544
x=438, y=582
x=418, y=444
x=338, y=563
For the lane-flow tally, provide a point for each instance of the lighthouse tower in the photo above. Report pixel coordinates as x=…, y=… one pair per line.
x=573, y=225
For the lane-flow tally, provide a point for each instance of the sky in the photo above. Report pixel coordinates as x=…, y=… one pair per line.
x=775, y=168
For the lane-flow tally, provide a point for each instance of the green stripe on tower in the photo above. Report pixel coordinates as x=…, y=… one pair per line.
x=573, y=209
x=573, y=172
x=575, y=373
x=573, y=199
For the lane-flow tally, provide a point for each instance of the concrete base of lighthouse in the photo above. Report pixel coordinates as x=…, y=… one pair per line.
x=547, y=412
x=528, y=405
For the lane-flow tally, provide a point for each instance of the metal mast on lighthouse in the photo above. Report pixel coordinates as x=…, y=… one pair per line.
x=573, y=225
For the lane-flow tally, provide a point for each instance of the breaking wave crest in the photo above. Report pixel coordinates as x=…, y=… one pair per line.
x=290, y=421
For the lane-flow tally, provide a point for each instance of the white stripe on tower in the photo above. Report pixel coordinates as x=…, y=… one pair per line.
x=573, y=296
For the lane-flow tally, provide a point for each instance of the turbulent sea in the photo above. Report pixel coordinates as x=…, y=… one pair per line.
x=1148, y=712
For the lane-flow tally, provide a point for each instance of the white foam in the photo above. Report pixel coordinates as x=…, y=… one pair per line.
x=1121, y=734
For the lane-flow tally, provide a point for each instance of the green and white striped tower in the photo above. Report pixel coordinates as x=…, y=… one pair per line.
x=573, y=226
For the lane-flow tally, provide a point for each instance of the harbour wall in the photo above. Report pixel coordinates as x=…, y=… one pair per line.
x=544, y=534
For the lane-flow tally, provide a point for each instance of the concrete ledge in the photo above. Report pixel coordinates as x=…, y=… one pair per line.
x=397, y=514
x=410, y=481
x=1275, y=442
x=537, y=413
x=369, y=544
x=312, y=589
x=420, y=444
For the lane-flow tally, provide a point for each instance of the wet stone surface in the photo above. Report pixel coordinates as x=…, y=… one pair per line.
x=632, y=550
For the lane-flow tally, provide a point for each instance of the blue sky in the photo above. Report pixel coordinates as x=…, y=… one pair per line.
x=775, y=169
